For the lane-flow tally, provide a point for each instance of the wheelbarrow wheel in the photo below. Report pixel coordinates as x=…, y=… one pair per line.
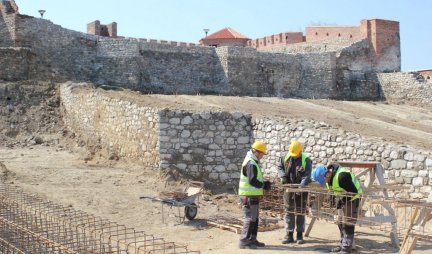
x=191, y=211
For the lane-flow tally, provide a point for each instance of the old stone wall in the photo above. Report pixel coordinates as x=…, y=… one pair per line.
x=283, y=75
x=355, y=75
x=15, y=63
x=339, y=69
x=405, y=87
x=115, y=126
x=407, y=166
x=211, y=145
x=205, y=145
x=163, y=68
x=7, y=25
x=156, y=67
x=61, y=54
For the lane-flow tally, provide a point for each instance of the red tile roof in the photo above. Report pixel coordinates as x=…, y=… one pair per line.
x=226, y=33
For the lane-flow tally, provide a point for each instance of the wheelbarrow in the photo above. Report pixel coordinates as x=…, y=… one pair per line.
x=188, y=198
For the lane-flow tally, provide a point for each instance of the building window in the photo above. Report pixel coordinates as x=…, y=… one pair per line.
x=327, y=34
x=339, y=35
x=350, y=35
x=316, y=33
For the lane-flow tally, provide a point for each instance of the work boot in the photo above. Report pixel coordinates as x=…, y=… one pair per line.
x=289, y=238
x=259, y=244
x=339, y=250
x=300, y=238
x=248, y=246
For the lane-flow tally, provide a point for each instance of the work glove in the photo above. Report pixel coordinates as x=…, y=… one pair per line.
x=267, y=185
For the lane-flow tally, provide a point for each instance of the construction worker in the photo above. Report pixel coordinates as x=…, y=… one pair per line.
x=295, y=168
x=251, y=188
x=347, y=192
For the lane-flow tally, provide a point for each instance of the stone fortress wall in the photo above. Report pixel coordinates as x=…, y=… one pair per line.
x=338, y=70
x=211, y=145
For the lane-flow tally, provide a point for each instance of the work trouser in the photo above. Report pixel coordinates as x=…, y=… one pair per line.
x=348, y=214
x=295, y=211
x=250, y=224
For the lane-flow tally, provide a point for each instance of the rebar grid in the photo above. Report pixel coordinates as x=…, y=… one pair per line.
x=28, y=224
x=401, y=217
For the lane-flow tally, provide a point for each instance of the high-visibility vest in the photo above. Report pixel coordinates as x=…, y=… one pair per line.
x=338, y=190
x=245, y=188
x=304, y=156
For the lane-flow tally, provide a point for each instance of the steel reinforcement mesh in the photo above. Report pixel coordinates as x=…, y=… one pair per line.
x=29, y=224
x=400, y=216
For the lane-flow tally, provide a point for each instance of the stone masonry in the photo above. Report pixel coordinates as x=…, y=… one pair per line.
x=210, y=146
x=60, y=54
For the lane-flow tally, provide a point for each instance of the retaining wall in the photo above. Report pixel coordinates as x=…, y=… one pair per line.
x=405, y=87
x=118, y=127
x=211, y=145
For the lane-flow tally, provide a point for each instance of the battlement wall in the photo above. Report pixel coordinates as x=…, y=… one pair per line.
x=279, y=39
x=301, y=70
x=320, y=33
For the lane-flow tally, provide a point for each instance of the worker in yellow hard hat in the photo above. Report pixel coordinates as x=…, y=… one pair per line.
x=295, y=168
x=251, y=188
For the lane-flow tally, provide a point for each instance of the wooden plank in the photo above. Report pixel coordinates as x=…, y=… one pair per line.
x=358, y=164
x=405, y=240
x=236, y=230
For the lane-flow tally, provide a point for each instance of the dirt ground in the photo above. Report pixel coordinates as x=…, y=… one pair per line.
x=41, y=161
x=112, y=190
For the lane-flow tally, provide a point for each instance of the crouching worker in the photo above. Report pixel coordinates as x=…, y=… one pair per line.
x=340, y=180
x=251, y=188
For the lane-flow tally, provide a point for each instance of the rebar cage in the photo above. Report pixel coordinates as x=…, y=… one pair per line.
x=29, y=224
x=402, y=219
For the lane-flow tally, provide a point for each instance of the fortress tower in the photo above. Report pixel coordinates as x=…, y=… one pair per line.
x=96, y=28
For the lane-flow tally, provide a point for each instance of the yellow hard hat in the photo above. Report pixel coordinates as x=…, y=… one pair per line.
x=295, y=148
x=259, y=145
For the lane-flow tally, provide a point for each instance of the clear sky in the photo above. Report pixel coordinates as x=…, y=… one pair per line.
x=184, y=20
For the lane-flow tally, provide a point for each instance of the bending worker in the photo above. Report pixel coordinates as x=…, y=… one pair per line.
x=295, y=168
x=251, y=188
x=340, y=180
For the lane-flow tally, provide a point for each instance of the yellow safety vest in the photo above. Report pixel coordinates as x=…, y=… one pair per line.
x=304, y=156
x=338, y=190
x=245, y=188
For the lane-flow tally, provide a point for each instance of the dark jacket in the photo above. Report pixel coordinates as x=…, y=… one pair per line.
x=293, y=172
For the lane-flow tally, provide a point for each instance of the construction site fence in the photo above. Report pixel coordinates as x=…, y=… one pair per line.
x=29, y=224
